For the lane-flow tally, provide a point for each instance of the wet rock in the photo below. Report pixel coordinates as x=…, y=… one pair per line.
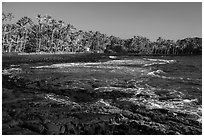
x=143, y=95
x=62, y=129
x=71, y=129
x=18, y=131
x=171, y=132
x=52, y=128
x=6, y=117
x=81, y=95
x=14, y=123
x=114, y=94
x=36, y=127
x=112, y=108
x=161, y=110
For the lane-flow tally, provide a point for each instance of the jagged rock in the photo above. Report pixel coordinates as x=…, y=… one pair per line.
x=36, y=127
x=49, y=102
x=18, y=131
x=52, y=128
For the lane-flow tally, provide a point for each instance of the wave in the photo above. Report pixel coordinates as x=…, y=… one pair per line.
x=161, y=60
x=115, y=64
x=154, y=63
x=125, y=62
x=190, y=100
x=101, y=102
x=86, y=65
x=158, y=73
x=112, y=57
x=158, y=62
x=110, y=89
x=14, y=65
x=11, y=70
x=155, y=73
x=186, y=106
x=63, y=65
x=60, y=100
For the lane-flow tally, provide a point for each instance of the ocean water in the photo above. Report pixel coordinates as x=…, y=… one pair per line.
x=171, y=83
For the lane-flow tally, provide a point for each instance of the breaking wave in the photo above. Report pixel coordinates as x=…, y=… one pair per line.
x=155, y=73
x=11, y=70
x=161, y=60
x=158, y=62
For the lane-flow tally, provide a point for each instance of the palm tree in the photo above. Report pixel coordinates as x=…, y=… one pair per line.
x=40, y=26
x=8, y=36
x=6, y=17
x=54, y=35
x=25, y=24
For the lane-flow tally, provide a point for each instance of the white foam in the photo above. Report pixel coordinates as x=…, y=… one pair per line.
x=63, y=65
x=125, y=62
x=154, y=105
x=155, y=73
x=162, y=60
x=154, y=63
x=5, y=72
x=60, y=100
x=104, y=103
x=158, y=61
x=109, y=89
x=14, y=65
x=175, y=105
x=199, y=120
x=159, y=71
x=115, y=65
x=190, y=101
x=112, y=57
x=11, y=70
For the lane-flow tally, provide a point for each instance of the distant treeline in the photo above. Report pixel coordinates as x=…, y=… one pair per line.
x=50, y=35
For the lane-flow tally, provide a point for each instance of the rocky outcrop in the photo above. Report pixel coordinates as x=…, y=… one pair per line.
x=33, y=106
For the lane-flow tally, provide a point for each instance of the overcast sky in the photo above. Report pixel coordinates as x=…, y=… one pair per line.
x=168, y=20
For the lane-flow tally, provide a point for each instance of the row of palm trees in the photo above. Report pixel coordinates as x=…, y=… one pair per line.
x=50, y=35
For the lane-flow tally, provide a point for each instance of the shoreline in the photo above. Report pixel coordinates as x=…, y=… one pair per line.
x=43, y=101
x=78, y=53
x=32, y=58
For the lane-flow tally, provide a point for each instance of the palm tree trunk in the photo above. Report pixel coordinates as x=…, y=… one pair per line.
x=39, y=39
x=24, y=45
x=52, y=40
x=10, y=46
x=52, y=36
x=9, y=36
x=39, y=44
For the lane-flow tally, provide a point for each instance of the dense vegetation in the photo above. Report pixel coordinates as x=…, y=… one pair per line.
x=50, y=35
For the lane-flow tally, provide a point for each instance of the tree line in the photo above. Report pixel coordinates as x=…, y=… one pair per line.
x=51, y=35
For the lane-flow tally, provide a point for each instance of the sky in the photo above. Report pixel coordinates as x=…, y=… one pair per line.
x=152, y=20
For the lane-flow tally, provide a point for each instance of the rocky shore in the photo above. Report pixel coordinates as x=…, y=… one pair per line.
x=53, y=103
